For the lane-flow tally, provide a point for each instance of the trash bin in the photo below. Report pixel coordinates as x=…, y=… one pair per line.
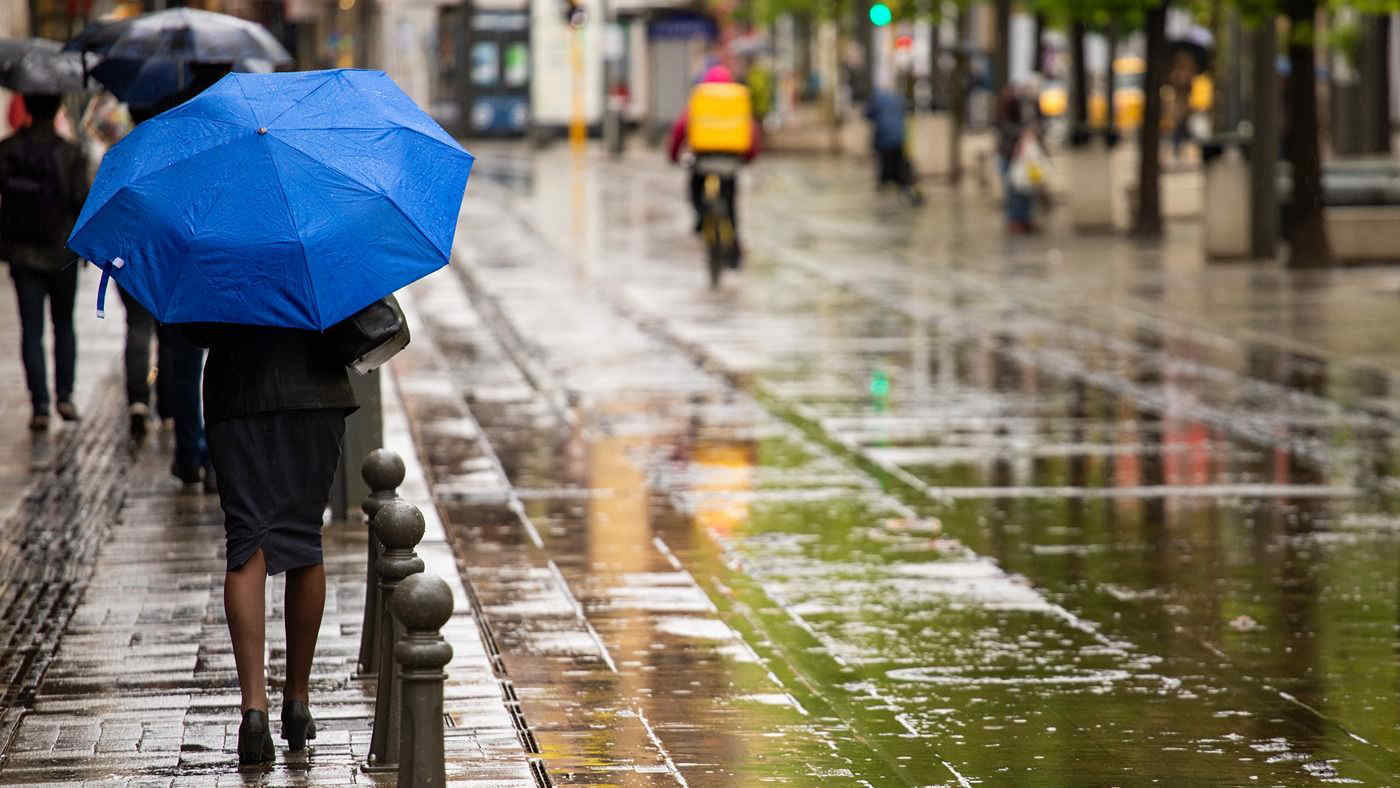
x=1226, y=200
x=1091, y=176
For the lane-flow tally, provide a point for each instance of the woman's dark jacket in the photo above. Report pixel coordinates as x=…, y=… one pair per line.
x=256, y=369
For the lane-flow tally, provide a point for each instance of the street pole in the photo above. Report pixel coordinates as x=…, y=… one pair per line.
x=612, y=53
x=1263, y=159
x=578, y=127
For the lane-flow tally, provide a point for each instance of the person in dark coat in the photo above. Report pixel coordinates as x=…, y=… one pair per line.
x=179, y=361
x=275, y=403
x=43, y=184
x=886, y=115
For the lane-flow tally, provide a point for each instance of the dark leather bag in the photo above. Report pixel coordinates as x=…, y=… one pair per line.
x=371, y=336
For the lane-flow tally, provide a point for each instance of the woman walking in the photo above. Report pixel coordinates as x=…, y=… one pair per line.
x=275, y=405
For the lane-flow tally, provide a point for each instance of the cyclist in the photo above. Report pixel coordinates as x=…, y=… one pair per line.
x=716, y=115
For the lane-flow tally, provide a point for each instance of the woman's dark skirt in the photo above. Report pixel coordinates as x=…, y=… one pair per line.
x=275, y=472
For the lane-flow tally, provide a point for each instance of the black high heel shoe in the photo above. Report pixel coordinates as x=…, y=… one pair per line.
x=297, y=725
x=255, y=739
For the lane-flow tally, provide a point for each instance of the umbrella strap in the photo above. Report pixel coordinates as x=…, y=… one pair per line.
x=107, y=269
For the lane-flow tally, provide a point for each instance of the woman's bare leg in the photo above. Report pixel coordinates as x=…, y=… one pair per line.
x=306, y=600
x=243, y=606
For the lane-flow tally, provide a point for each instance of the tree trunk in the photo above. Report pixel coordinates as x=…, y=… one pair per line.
x=1149, y=209
x=1078, y=78
x=1038, y=44
x=936, y=77
x=1229, y=59
x=1002, y=62
x=957, y=95
x=1308, y=237
x=1263, y=161
x=1111, y=39
x=1375, y=74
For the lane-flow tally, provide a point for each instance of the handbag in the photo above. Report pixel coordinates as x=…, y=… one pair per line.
x=370, y=337
x=1027, y=171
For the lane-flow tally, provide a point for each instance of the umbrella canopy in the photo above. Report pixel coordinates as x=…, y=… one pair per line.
x=290, y=199
x=37, y=65
x=181, y=34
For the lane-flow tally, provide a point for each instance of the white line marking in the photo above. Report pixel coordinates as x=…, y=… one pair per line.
x=670, y=556
x=656, y=740
x=582, y=619
x=961, y=779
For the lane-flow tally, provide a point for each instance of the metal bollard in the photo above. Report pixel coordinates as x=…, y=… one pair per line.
x=422, y=604
x=383, y=471
x=399, y=526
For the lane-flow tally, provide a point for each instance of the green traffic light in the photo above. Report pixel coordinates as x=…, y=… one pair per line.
x=880, y=14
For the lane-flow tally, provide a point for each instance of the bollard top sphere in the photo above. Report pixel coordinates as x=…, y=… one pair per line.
x=398, y=524
x=422, y=602
x=383, y=470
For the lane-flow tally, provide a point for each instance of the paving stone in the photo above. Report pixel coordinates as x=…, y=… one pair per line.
x=140, y=686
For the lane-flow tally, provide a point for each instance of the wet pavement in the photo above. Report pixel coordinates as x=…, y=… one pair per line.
x=125, y=673
x=902, y=503
x=905, y=502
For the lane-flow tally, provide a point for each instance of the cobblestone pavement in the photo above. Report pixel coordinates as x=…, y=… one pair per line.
x=98, y=341
x=119, y=669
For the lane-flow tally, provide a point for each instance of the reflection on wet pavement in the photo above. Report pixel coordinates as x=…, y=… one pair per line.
x=905, y=504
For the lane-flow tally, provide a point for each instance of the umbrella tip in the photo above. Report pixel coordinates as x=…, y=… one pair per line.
x=262, y=129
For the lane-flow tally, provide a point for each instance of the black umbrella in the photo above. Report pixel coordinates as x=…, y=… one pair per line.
x=149, y=58
x=146, y=82
x=182, y=34
x=37, y=65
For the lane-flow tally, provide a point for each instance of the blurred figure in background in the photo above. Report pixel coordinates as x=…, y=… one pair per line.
x=886, y=115
x=1015, y=122
x=181, y=362
x=43, y=184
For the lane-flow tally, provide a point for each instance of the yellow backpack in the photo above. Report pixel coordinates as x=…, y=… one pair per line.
x=720, y=118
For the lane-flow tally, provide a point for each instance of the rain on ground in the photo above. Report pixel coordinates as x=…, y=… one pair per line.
x=905, y=502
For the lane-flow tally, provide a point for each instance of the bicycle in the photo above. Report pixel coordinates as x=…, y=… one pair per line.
x=717, y=226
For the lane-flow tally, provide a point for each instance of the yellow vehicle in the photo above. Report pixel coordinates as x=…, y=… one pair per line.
x=1128, y=96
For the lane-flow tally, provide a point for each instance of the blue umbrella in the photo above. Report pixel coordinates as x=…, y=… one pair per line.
x=288, y=200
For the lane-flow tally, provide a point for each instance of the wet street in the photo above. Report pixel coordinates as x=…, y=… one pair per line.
x=905, y=502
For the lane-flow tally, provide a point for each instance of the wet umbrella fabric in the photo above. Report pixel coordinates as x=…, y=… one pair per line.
x=37, y=65
x=181, y=34
x=146, y=58
x=290, y=199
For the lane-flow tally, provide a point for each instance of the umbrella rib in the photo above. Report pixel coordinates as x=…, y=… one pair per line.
x=386, y=127
x=251, y=106
x=368, y=187
x=143, y=176
x=290, y=106
x=301, y=243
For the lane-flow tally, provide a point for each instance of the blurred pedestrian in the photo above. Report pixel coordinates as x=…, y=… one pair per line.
x=43, y=183
x=1015, y=122
x=886, y=115
x=179, y=361
x=276, y=401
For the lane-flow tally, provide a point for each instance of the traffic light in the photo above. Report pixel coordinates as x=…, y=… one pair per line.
x=880, y=14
